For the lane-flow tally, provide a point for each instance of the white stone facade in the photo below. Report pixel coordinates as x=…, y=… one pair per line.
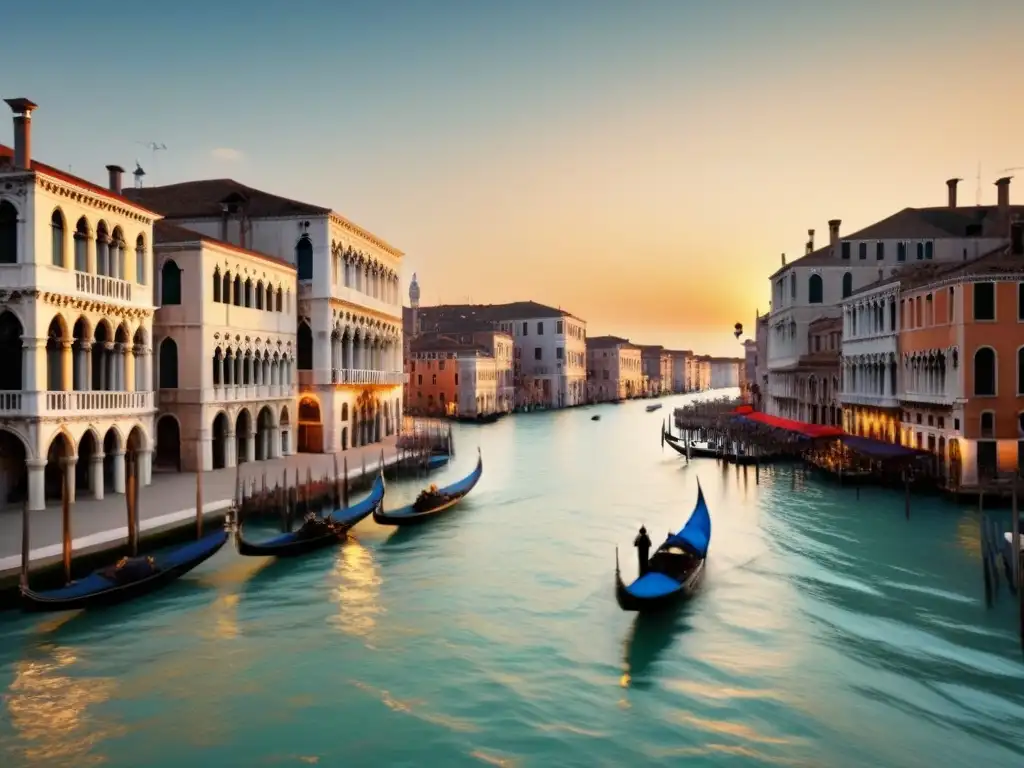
x=225, y=337
x=551, y=358
x=76, y=313
x=478, y=385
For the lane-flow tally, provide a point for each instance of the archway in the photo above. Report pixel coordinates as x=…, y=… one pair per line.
x=10, y=352
x=311, y=429
x=283, y=428
x=88, y=451
x=264, y=434
x=357, y=425
x=243, y=428
x=219, y=445
x=344, y=438
x=111, y=449
x=13, y=471
x=377, y=419
x=55, y=355
x=57, y=454
x=168, y=444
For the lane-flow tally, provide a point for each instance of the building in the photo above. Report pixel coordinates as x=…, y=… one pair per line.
x=700, y=373
x=748, y=374
x=681, y=363
x=76, y=328
x=549, y=358
x=725, y=372
x=452, y=376
x=760, y=386
x=657, y=367
x=809, y=390
x=225, y=335
x=815, y=285
x=870, y=362
x=348, y=349
x=614, y=369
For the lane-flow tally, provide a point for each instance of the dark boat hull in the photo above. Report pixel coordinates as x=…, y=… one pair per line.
x=456, y=493
x=35, y=602
x=630, y=602
x=706, y=453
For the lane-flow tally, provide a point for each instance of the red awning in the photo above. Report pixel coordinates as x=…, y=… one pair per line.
x=800, y=427
x=742, y=410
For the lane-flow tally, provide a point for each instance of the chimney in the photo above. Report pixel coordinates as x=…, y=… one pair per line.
x=833, y=235
x=1017, y=238
x=810, y=240
x=951, y=186
x=1003, y=193
x=783, y=259
x=22, y=109
x=114, y=175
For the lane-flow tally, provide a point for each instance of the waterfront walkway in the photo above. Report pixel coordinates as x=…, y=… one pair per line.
x=168, y=501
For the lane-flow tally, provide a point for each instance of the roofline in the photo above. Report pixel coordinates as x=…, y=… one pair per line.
x=345, y=223
x=203, y=240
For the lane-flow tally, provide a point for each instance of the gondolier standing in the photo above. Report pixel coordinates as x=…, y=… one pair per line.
x=643, y=548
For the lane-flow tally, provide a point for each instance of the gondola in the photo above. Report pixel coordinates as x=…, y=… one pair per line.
x=432, y=503
x=130, y=577
x=654, y=407
x=481, y=418
x=706, y=451
x=317, y=532
x=676, y=568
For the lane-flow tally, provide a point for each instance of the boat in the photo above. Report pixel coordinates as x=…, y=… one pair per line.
x=316, y=532
x=596, y=418
x=433, y=501
x=707, y=450
x=128, y=578
x=654, y=407
x=480, y=418
x=676, y=568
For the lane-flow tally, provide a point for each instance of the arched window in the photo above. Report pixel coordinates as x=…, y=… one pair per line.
x=168, y=364
x=117, y=251
x=279, y=295
x=81, y=238
x=236, y=291
x=140, y=260
x=57, y=238
x=216, y=285
x=225, y=289
x=170, y=284
x=305, y=343
x=304, y=258
x=259, y=294
x=815, y=292
x=1020, y=372
x=248, y=292
x=8, y=233
x=847, y=284
x=344, y=411
x=985, y=372
x=102, y=250
x=269, y=303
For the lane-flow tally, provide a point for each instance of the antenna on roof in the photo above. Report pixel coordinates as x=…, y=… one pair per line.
x=154, y=147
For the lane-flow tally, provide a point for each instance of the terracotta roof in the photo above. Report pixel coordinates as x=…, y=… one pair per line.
x=516, y=310
x=599, y=342
x=202, y=199
x=7, y=153
x=997, y=262
x=165, y=233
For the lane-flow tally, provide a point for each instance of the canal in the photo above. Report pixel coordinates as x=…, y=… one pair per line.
x=830, y=632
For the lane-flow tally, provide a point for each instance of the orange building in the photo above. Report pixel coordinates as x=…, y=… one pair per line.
x=445, y=370
x=962, y=364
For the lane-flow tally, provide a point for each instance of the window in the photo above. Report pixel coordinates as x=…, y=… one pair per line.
x=984, y=301
x=985, y=372
x=440, y=365
x=952, y=294
x=920, y=251
x=168, y=364
x=1020, y=372
x=862, y=251
x=847, y=284
x=559, y=326
x=170, y=284
x=929, y=250
x=792, y=286
x=81, y=239
x=456, y=384
x=540, y=329
x=1020, y=301
x=559, y=353
x=304, y=258
x=419, y=379
x=879, y=251
x=526, y=329
x=216, y=285
x=57, y=238
x=8, y=233
x=814, y=290
x=845, y=249
x=538, y=353
x=901, y=251
x=433, y=378
x=304, y=347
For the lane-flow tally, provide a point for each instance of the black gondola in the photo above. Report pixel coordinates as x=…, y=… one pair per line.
x=316, y=532
x=432, y=502
x=130, y=577
x=707, y=451
x=675, y=569
x=482, y=418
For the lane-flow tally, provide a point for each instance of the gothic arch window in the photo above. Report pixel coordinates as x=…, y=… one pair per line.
x=57, y=238
x=815, y=290
x=140, y=260
x=168, y=364
x=304, y=258
x=985, y=372
x=217, y=284
x=170, y=284
x=847, y=284
x=305, y=345
x=8, y=233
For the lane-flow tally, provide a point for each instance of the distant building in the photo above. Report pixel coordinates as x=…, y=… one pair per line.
x=657, y=368
x=452, y=377
x=725, y=372
x=809, y=389
x=680, y=362
x=749, y=371
x=700, y=373
x=549, y=360
x=614, y=369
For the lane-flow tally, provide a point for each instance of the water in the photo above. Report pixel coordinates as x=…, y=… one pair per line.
x=830, y=632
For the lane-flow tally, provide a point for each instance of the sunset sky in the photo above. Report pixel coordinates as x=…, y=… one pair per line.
x=641, y=163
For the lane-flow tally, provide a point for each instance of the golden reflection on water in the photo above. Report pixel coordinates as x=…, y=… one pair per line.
x=501, y=762
x=50, y=711
x=735, y=730
x=417, y=708
x=721, y=693
x=968, y=535
x=357, y=590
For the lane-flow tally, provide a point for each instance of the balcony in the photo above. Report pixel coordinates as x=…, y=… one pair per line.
x=928, y=398
x=350, y=295
x=10, y=403
x=103, y=287
x=359, y=376
x=69, y=403
x=71, y=283
x=871, y=400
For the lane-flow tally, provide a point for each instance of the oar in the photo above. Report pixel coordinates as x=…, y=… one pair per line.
x=616, y=561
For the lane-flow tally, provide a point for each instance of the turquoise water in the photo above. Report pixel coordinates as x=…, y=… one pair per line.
x=830, y=632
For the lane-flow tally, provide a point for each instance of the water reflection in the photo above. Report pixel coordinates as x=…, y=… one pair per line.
x=53, y=712
x=649, y=637
x=356, y=590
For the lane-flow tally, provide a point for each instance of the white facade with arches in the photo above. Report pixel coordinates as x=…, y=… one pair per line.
x=76, y=316
x=225, y=340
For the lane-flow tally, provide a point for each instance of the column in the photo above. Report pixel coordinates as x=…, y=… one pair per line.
x=34, y=364
x=67, y=366
x=69, y=477
x=119, y=472
x=347, y=358
x=250, y=446
x=145, y=458
x=129, y=369
x=96, y=476
x=230, y=449
x=109, y=381
x=36, y=484
x=220, y=371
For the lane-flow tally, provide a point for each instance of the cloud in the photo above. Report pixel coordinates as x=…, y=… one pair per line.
x=227, y=153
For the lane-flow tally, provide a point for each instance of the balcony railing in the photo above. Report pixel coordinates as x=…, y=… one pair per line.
x=252, y=391
x=863, y=398
x=360, y=376
x=10, y=403
x=100, y=285
x=91, y=402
